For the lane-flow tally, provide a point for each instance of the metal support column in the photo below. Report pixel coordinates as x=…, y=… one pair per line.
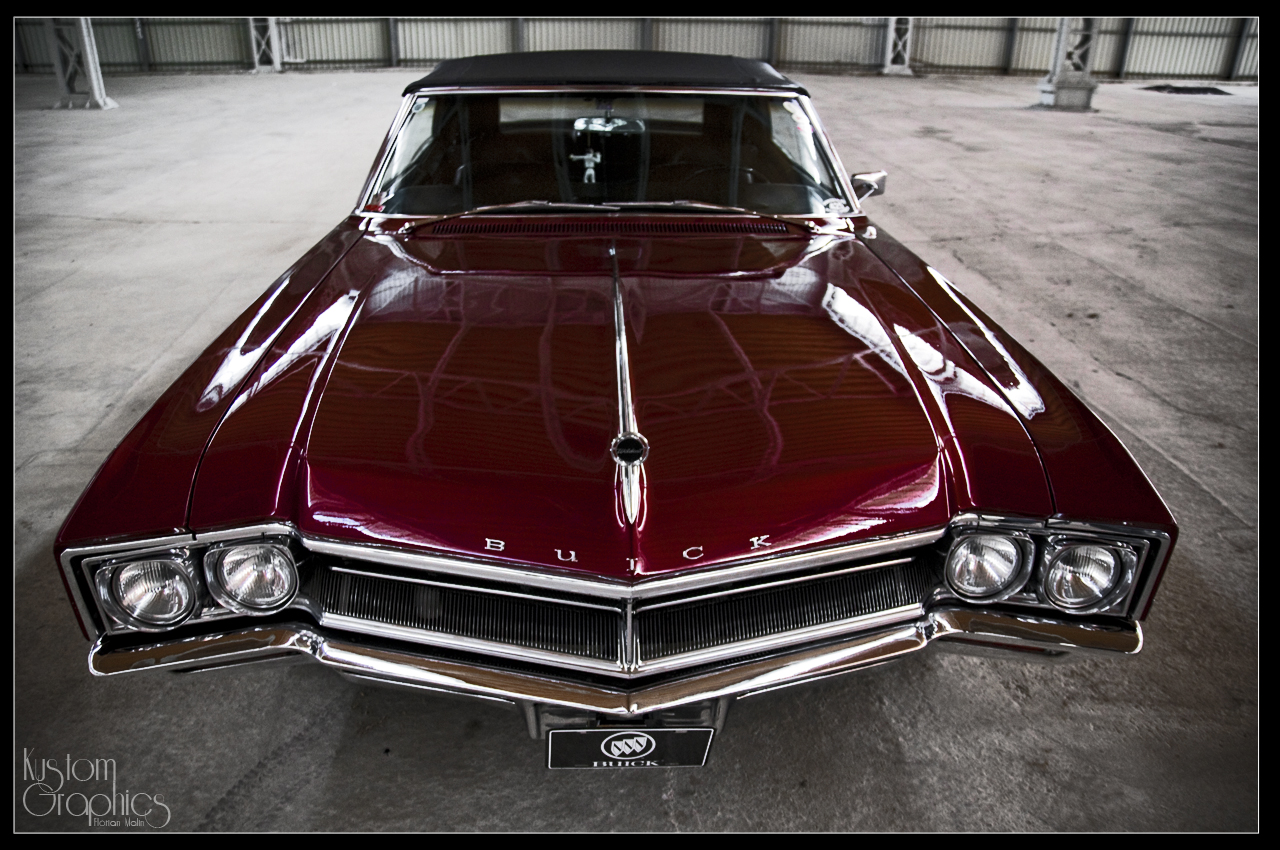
x=897, y=46
x=1068, y=84
x=1126, y=42
x=264, y=45
x=773, y=44
x=19, y=52
x=517, y=35
x=75, y=59
x=646, y=33
x=144, y=46
x=1237, y=53
x=393, y=42
x=1010, y=41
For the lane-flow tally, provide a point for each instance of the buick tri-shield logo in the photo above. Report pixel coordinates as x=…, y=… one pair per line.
x=628, y=745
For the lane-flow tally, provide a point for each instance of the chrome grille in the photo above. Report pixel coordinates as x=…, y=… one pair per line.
x=511, y=621
x=675, y=629
x=547, y=626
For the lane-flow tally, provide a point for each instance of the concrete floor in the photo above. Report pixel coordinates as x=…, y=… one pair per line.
x=1120, y=246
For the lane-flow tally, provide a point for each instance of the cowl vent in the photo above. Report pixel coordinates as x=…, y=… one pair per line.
x=606, y=228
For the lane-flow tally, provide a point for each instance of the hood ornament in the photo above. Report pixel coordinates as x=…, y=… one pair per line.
x=629, y=448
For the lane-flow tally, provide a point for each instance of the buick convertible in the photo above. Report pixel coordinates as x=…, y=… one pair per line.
x=608, y=402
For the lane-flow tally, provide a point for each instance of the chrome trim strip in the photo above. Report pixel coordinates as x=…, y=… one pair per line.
x=474, y=569
x=1036, y=631
x=631, y=475
x=478, y=589
x=375, y=176
x=104, y=549
x=1158, y=565
x=375, y=680
x=997, y=521
x=622, y=364
x=638, y=666
x=811, y=679
x=798, y=219
x=833, y=160
x=400, y=667
x=660, y=586
x=630, y=657
x=758, y=567
x=248, y=532
x=690, y=599
x=631, y=479
x=480, y=645
x=553, y=89
x=667, y=663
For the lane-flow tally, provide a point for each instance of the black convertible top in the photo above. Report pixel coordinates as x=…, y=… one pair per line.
x=606, y=67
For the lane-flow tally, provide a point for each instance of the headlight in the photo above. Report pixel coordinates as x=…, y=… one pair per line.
x=1086, y=577
x=989, y=567
x=257, y=578
x=150, y=595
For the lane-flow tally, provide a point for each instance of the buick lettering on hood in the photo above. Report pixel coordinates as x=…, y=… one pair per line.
x=609, y=402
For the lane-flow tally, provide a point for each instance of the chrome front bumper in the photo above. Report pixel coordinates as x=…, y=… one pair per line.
x=1043, y=637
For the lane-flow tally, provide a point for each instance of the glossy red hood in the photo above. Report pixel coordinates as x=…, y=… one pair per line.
x=799, y=399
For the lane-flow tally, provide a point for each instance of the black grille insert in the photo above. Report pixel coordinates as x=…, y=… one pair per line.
x=752, y=614
x=549, y=626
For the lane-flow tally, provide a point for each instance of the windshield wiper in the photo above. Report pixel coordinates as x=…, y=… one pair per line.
x=568, y=207
x=611, y=206
x=541, y=206
x=684, y=206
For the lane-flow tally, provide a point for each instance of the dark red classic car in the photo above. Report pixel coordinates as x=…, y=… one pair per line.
x=609, y=402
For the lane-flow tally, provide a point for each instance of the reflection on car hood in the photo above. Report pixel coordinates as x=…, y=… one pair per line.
x=791, y=407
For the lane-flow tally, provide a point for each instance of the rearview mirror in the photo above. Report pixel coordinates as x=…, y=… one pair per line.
x=595, y=124
x=868, y=184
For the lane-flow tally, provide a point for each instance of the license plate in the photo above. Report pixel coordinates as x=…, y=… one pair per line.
x=625, y=748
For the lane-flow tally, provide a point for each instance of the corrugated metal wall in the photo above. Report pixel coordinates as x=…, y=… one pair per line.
x=1191, y=48
x=1202, y=46
x=968, y=44
x=335, y=42
x=574, y=33
x=425, y=41
x=831, y=44
x=746, y=37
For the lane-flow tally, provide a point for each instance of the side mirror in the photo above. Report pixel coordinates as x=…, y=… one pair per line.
x=871, y=183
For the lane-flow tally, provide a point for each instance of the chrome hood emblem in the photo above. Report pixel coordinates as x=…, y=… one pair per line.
x=629, y=448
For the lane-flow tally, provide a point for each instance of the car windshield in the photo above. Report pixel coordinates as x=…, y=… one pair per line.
x=456, y=153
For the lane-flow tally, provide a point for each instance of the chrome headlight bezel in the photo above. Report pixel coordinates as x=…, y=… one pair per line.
x=1057, y=545
x=1026, y=552
x=105, y=585
x=214, y=558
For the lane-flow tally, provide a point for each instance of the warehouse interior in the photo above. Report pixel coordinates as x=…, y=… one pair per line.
x=1105, y=213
